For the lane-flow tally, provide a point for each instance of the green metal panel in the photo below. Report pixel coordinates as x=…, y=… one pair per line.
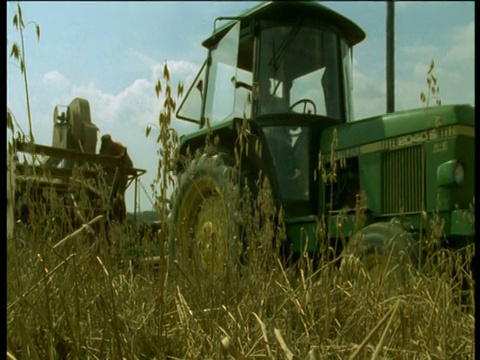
x=342, y=226
x=399, y=157
x=302, y=233
x=371, y=180
x=381, y=132
x=462, y=223
x=394, y=135
x=200, y=135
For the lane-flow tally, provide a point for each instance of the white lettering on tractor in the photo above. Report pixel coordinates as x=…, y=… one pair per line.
x=440, y=147
x=408, y=140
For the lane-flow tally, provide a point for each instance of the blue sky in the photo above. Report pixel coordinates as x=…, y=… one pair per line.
x=112, y=54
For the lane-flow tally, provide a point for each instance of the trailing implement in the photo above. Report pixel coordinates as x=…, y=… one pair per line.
x=87, y=183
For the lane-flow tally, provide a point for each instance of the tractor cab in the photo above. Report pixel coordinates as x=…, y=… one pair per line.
x=286, y=68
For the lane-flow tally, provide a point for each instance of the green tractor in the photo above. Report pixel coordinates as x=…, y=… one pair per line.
x=275, y=96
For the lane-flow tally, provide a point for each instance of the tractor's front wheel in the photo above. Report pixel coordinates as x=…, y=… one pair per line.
x=385, y=251
x=203, y=220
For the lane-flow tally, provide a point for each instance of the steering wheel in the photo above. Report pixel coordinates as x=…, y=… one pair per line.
x=305, y=102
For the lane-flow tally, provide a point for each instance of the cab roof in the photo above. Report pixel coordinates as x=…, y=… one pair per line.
x=288, y=10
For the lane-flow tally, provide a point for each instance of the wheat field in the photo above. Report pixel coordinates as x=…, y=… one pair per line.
x=83, y=296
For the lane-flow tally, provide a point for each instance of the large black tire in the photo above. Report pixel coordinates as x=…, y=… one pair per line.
x=203, y=223
x=386, y=251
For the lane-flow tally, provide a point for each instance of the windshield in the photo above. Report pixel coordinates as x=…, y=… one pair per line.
x=300, y=71
x=223, y=84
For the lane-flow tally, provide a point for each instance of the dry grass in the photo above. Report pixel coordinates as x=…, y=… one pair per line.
x=75, y=295
x=79, y=299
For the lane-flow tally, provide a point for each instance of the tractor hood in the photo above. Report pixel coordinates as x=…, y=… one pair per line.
x=398, y=129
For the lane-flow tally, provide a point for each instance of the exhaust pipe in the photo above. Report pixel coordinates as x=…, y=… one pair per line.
x=390, y=54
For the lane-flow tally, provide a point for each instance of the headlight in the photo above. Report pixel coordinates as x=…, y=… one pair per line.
x=450, y=173
x=459, y=173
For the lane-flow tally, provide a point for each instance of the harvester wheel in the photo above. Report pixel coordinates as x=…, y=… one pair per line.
x=386, y=252
x=203, y=227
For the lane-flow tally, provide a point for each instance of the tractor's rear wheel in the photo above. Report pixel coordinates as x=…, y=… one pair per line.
x=385, y=251
x=203, y=223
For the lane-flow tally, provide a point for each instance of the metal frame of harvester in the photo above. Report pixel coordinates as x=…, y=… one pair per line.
x=69, y=164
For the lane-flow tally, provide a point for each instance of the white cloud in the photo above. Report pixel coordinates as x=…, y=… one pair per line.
x=407, y=93
x=180, y=70
x=401, y=4
x=368, y=95
x=126, y=115
x=149, y=61
x=454, y=68
x=463, y=44
x=135, y=105
x=55, y=79
x=419, y=50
